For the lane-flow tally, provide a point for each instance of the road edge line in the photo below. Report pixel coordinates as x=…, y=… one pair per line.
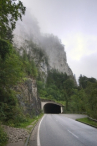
x=38, y=137
x=73, y=134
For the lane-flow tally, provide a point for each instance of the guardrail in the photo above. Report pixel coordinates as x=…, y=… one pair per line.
x=92, y=119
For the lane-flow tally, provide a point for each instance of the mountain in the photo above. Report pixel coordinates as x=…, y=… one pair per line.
x=49, y=45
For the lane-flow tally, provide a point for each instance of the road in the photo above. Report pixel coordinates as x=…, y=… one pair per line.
x=58, y=130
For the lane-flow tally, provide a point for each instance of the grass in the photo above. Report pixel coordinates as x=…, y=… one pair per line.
x=53, y=100
x=29, y=121
x=88, y=121
x=61, y=102
x=24, y=124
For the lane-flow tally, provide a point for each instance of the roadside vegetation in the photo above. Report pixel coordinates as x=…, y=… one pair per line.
x=13, y=70
x=29, y=121
x=88, y=121
x=3, y=137
x=10, y=65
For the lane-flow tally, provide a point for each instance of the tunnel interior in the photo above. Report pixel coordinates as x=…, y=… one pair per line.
x=51, y=108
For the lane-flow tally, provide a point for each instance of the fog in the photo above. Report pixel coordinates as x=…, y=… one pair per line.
x=73, y=21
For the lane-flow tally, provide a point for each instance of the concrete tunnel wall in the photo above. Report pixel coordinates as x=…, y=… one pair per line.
x=49, y=107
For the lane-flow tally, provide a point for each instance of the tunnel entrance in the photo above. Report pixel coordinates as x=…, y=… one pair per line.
x=51, y=108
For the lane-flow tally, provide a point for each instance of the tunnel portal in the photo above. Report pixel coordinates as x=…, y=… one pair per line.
x=52, y=108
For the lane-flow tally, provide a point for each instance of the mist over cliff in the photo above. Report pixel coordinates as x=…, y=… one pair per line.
x=29, y=30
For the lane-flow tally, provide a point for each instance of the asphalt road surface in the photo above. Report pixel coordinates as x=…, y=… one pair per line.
x=58, y=130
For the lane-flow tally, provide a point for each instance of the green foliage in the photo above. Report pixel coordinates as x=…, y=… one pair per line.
x=10, y=74
x=29, y=65
x=10, y=70
x=3, y=137
x=68, y=91
x=13, y=69
x=91, y=99
x=84, y=98
x=5, y=48
x=10, y=112
x=10, y=12
x=56, y=78
x=88, y=121
x=83, y=81
x=58, y=87
x=77, y=103
x=29, y=121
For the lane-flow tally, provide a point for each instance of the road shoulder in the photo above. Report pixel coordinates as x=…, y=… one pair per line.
x=33, y=137
x=74, y=116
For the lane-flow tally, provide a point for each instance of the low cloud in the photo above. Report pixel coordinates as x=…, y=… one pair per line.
x=87, y=66
x=79, y=45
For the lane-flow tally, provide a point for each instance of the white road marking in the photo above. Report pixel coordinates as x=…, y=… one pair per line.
x=38, y=137
x=73, y=134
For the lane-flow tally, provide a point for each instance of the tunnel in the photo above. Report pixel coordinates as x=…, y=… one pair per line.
x=51, y=108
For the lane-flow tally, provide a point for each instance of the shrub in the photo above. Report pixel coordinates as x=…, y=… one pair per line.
x=3, y=137
x=5, y=48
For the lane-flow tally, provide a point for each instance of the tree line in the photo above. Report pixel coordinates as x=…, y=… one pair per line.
x=80, y=98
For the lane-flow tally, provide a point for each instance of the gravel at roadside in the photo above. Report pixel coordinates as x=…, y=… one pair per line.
x=15, y=134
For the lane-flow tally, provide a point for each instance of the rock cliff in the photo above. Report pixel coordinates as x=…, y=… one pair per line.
x=28, y=98
x=56, y=54
x=49, y=54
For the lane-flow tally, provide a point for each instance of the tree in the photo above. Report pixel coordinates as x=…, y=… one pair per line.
x=10, y=12
x=91, y=99
x=11, y=73
x=10, y=69
x=68, y=86
x=83, y=81
x=77, y=103
x=5, y=48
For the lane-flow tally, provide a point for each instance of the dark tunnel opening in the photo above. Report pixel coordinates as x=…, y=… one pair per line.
x=51, y=108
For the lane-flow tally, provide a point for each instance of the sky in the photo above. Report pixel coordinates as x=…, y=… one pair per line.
x=75, y=23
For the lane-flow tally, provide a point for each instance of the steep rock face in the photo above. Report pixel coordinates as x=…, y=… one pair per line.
x=41, y=60
x=43, y=67
x=28, y=98
x=56, y=54
x=53, y=50
x=57, y=60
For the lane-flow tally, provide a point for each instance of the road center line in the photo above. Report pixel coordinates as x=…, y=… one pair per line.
x=38, y=137
x=73, y=134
